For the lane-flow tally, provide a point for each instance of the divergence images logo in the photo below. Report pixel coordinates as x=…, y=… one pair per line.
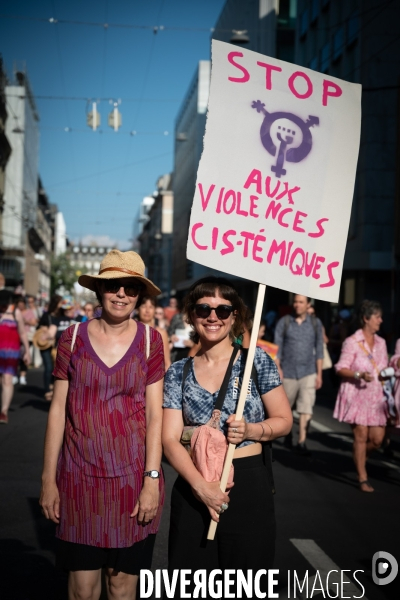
x=385, y=564
x=288, y=134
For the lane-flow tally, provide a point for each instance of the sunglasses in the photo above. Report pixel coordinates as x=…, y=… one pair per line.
x=112, y=286
x=223, y=311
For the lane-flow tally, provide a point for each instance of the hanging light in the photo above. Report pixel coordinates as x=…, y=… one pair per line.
x=239, y=36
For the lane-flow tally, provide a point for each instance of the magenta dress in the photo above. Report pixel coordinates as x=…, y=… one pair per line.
x=101, y=464
x=9, y=343
x=360, y=402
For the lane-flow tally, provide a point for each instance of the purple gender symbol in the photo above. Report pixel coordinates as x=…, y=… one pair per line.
x=286, y=135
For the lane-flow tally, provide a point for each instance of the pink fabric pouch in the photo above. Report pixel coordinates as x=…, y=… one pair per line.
x=207, y=444
x=208, y=449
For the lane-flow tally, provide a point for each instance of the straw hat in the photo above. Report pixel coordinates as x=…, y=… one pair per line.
x=118, y=265
x=40, y=339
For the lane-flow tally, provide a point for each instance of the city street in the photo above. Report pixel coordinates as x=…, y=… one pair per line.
x=324, y=521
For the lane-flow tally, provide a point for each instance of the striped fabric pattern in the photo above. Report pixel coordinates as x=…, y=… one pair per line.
x=100, y=468
x=9, y=346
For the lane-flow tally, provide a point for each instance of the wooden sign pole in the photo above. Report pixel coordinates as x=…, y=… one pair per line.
x=243, y=395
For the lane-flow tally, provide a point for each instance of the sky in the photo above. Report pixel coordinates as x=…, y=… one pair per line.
x=99, y=179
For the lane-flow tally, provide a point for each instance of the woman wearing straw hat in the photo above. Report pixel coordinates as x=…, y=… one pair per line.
x=102, y=481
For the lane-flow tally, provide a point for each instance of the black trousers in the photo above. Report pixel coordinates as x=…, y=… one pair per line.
x=48, y=368
x=245, y=537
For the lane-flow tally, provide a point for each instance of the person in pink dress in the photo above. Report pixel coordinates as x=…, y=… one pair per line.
x=395, y=363
x=360, y=400
x=102, y=481
x=12, y=336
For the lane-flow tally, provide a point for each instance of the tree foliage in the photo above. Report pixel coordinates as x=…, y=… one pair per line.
x=63, y=275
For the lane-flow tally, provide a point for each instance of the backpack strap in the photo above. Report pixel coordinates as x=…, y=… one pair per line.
x=185, y=372
x=74, y=336
x=224, y=387
x=147, y=334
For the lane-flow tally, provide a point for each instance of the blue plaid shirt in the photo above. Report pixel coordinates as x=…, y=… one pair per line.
x=197, y=404
x=299, y=346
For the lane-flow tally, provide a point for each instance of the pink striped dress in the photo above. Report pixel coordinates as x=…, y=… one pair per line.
x=101, y=464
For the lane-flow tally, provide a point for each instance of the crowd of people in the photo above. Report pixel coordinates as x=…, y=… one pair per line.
x=129, y=379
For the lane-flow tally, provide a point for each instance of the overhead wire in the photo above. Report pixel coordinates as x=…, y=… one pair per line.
x=155, y=28
x=134, y=163
x=98, y=98
x=102, y=131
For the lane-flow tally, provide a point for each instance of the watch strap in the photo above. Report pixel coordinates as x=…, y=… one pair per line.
x=150, y=474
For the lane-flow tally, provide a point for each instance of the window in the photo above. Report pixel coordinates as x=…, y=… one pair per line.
x=314, y=10
x=353, y=28
x=338, y=44
x=304, y=23
x=325, y=56
x=313, y=64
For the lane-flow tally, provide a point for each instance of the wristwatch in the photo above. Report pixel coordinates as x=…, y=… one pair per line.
x=153, y=474
x=357, y=375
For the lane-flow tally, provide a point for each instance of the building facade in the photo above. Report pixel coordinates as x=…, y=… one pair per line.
x=264, y=26
x=140, y=221
x=21, y=180
x=155, y=240
x=357, y=40
x=88, y=256
x=5, y=148
x=189, y=132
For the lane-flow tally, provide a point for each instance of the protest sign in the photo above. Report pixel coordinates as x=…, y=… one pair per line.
x=276, y=178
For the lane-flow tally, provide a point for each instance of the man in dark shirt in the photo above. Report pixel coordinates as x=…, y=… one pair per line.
x=299, y=361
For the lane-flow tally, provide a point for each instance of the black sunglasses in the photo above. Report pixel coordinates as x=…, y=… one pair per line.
x=223, y=311
x=112, y=286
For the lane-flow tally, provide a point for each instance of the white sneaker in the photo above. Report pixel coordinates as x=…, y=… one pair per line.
x=22, y=380
x=15, y=380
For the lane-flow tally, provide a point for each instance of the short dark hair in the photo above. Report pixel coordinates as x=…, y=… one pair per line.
x=367, y=309
x=306, y=297
x=144, y=299
x=208, y=286
x=6, y=298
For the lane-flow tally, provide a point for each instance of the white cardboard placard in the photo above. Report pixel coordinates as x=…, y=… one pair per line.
x=276, y=178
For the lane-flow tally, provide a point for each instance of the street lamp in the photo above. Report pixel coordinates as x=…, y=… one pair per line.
x=239, y=37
